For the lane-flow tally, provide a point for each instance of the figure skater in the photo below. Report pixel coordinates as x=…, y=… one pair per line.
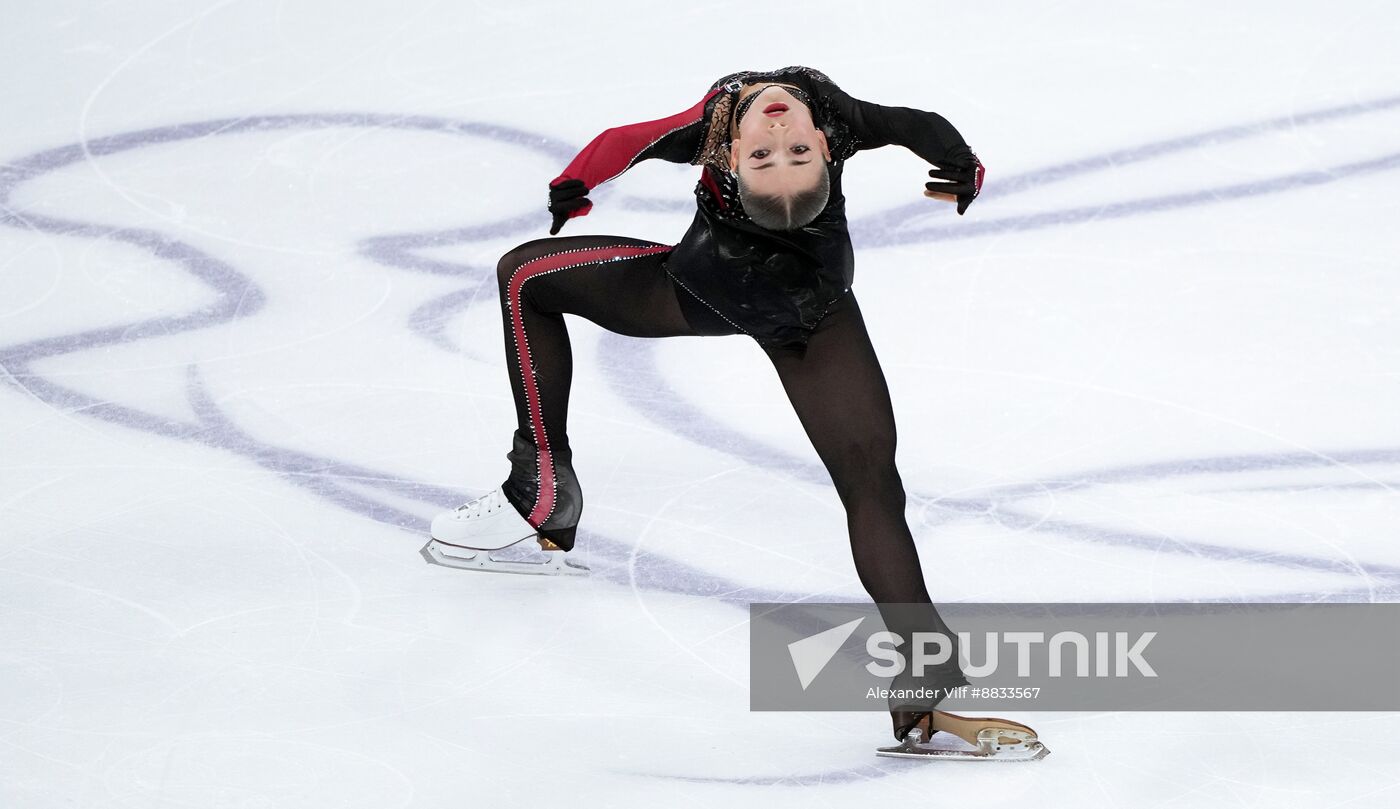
x=767, y=255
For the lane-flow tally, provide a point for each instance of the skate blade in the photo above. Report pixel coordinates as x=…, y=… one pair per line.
x=505, y=560
x=994, y=744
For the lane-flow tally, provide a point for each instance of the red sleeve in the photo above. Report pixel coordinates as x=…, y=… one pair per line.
x=676, y=139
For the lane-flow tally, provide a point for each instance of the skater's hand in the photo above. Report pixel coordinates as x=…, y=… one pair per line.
x=567, y=199
x=959, y=179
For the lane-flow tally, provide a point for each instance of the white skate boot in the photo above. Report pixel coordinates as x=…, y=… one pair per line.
x=489, y=534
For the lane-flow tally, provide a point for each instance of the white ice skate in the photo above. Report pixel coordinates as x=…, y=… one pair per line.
x=992, y=740
x=489, y=534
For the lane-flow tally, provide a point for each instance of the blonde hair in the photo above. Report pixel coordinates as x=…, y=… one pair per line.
x=777, y=212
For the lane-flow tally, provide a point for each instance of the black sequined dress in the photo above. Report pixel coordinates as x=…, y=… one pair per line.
x=772, y=285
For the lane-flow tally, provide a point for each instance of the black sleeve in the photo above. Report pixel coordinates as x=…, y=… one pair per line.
x=926, y=134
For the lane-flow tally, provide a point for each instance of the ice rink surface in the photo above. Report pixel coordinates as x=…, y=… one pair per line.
x=250, y=343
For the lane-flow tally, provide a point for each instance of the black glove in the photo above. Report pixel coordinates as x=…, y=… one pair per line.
x=567, y=199
x=965, y=173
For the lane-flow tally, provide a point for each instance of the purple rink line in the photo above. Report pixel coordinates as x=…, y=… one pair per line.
x=1212, y=137
x=671, y=412
x=429, y=320
x=1118, y=210
x=631, y=365
x=888, y=227
x=392, y=250
x=238, y=296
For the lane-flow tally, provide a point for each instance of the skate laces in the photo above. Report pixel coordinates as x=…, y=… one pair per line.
x=484, y=504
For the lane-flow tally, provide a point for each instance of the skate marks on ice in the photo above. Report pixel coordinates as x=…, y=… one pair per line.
x=899, y=225
x=1005, y=505
x=237, y=297
x=352, y=487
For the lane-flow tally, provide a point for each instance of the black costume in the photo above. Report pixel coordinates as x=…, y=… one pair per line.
x=772, y=286
x=789, y=291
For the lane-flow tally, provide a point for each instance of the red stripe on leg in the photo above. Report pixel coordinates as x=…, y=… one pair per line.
x=544, y=496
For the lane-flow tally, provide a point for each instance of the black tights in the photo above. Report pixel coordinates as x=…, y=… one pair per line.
x=835, y=385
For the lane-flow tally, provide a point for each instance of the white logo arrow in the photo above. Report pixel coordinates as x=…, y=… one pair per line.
x=810, y=655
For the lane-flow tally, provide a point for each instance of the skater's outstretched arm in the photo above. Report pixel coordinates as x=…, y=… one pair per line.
x=958, y=173
x=676, y=139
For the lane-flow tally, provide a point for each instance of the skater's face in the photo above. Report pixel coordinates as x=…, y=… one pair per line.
x=778, y=151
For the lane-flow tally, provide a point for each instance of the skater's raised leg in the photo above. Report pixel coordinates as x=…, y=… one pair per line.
x=618, y=283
